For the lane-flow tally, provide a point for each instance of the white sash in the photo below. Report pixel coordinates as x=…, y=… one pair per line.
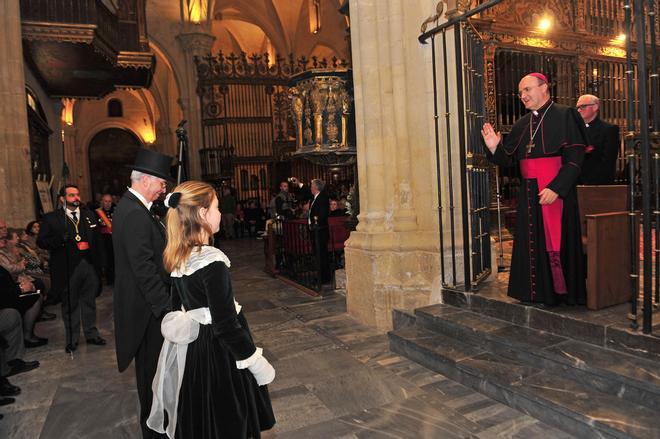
x=179, y=329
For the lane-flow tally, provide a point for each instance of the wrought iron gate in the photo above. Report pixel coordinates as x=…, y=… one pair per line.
x=476, y=164
x=471, y=229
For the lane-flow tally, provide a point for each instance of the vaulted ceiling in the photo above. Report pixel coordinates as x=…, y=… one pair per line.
x=279, y=27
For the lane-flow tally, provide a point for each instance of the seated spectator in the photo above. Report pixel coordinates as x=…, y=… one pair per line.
x=31, y=232
x=23, y=297
x=32, y=271
x=335, y=210
x=10, y=260
x=11, y=349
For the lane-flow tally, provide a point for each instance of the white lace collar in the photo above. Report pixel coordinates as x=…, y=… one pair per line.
x=199, y=259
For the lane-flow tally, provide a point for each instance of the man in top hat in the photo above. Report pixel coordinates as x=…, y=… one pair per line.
x=547, y=265
x=141, y=293
x=600, y=160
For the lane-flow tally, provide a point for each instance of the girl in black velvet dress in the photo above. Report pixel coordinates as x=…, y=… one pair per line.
x=208, y=359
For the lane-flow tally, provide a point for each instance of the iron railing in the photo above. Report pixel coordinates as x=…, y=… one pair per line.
x=293, y=250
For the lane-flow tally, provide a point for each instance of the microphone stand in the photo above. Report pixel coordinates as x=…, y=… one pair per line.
x=68, y=281
x=182, y=136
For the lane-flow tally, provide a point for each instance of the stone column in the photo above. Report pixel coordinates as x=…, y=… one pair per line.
x=17, y=204
x=393, y=258
x=194, y=41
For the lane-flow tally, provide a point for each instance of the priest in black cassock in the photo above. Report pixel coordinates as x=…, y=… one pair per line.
x=603, y=148
x=548, y=143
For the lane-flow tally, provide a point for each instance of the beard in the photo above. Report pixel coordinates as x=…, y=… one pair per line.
x=72, y=205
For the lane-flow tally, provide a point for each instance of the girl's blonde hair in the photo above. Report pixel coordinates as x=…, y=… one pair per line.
x=186, y=229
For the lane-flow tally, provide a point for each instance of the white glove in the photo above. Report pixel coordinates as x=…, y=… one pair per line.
x=262, y=371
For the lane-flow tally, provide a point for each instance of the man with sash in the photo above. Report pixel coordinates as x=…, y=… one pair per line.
x=105, y=215
x=547, y=265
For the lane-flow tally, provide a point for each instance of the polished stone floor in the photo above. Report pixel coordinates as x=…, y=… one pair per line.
x=335, y=377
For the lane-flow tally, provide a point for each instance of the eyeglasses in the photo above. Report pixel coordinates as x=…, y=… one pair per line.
x=583, y=106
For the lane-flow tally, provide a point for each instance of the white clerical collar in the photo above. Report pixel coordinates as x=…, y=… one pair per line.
x=141, y=198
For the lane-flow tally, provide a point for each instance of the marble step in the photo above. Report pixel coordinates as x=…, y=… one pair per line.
x=557, y=400
x=625, y=376
x=402, y=318
x=611, y=336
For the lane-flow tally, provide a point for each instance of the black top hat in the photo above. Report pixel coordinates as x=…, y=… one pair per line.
x=153, y=163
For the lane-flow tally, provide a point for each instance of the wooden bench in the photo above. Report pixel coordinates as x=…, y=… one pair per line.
x=605, y=224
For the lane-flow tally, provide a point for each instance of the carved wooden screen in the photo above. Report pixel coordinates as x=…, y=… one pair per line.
x=607, y=80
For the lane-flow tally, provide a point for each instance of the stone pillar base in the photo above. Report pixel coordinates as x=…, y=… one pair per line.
x=386, y=271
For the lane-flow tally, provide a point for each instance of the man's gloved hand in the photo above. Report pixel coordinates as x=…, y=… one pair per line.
x=263, y=372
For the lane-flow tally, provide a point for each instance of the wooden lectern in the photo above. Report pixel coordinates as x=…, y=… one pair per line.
x=606, y=237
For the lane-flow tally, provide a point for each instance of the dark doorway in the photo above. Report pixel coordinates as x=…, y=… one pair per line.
x=109, y=152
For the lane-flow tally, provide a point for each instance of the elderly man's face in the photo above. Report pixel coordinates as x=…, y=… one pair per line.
x=3, y=229
x=106, y=202
x=587, y=108
x=333, y=205
x=533, y=92
x=153, y=187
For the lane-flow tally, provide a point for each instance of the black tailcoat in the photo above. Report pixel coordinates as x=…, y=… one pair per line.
x=51, y=237
x=141, y=283
x=599, y=165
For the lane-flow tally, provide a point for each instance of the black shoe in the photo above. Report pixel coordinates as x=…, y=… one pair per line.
x=71, y=347
x=5, y=401
x=96, y=340
x=7, y=388
x=38, y=341
x=20, y=366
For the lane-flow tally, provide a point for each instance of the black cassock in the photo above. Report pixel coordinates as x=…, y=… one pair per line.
x=560, y=135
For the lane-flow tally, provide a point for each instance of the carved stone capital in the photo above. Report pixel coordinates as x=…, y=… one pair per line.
x=196, y=43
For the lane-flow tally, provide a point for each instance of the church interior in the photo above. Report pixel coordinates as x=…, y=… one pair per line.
x=418, y=334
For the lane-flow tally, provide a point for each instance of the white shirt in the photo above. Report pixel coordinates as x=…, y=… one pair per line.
x=141, y=198
x=69, y=213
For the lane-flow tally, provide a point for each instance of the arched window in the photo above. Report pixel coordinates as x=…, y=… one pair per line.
x=115, y=109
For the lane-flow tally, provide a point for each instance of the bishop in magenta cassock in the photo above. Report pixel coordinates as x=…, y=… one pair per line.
x=548, y=143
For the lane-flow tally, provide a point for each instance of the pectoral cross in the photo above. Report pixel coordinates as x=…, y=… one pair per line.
x=530, y=146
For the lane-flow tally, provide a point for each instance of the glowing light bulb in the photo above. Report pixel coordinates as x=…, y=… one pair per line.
x=545, y=24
